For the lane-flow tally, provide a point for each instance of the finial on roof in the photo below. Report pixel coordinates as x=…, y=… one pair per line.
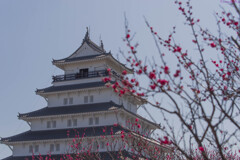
x=102, y=45
x=87, y=34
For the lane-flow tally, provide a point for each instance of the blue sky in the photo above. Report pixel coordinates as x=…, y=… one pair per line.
x=34, y=32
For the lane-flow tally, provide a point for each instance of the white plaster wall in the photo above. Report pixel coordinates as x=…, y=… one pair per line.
x=82, y=121
x=22, y=149
x=91, y=65
x=105, y=119
x=85, y=50
x=44, y=148
x=94, y=65
x=99, y=96
x=79, y=81
x=38, y=124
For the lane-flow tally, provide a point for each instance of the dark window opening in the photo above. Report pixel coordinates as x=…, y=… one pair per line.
x=83, y=72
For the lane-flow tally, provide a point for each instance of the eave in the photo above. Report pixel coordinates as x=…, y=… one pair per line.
x=116, y=135
x=104, y=155
x=108, y=56
x=53, y=140
x=73, y=87
x=43, y=94
x=61, y=134
x=67, y=115
x=61, y=63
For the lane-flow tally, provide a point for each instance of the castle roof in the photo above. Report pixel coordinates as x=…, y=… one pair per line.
x=64, y=60
x=102, y=155
x=70, y=87
x=42, y=135
x=99, y=54
x=96, y=56
x=74, y=109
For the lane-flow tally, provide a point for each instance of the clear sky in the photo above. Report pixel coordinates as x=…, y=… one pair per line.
x=34, y=32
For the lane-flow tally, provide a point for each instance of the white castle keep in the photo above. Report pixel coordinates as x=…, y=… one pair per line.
x=79, y=100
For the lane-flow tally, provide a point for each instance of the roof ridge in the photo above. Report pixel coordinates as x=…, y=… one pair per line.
x=60, y=131
x=70, y=85
x=95, y=45
x=76, y=109
x=90, y=43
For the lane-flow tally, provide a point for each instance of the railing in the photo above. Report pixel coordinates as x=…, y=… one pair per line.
x=75, y=76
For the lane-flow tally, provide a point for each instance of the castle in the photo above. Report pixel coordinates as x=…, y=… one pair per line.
x=78, y=100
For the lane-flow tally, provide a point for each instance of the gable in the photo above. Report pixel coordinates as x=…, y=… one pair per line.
x=85, y=50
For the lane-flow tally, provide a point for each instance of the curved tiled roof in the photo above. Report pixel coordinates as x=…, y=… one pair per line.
x=74, y=109
x=121, y=155
x=99, y=49
x=64, y=133
x=92, y=57
x=90, y=44
x=80, y=58
x=71, y=87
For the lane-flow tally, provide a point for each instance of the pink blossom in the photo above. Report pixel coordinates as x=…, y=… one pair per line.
x=162, y=81
x=139, y=126
x=124, y=72
x=201, y=149
x=213, y=45
x=152, y=75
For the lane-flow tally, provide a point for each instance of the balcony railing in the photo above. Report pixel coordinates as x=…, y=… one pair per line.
x=75, y=76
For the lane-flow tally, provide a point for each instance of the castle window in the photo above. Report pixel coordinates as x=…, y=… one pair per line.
x=36, y=148
x=102, y=144
x=65, y=101
x=83, y=72
x=85, y=99
x=51, y=147
x=54, y=124
x=91, y=121
x=30, y=149
x=48, y=124
x=75, y=122
x=96, y=120
x=70, y=100
x=69, y=123
x=91, y=98
x=57, y=147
